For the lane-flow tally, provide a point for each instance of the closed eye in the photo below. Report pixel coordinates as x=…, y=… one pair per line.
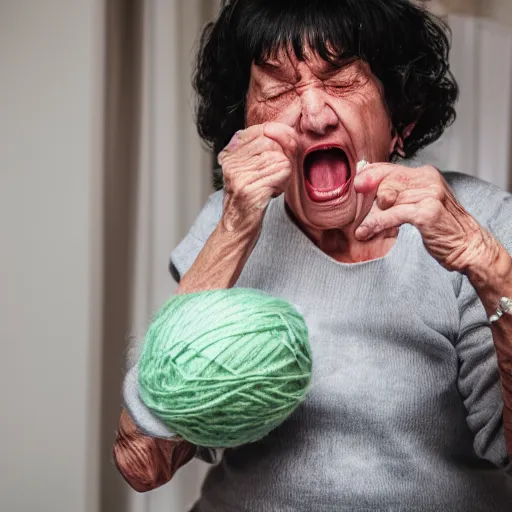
x=339, y=85
x=277, y=95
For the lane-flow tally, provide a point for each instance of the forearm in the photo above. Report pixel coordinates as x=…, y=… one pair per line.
x=145, y=462
x=491, y=282
x=220, y=262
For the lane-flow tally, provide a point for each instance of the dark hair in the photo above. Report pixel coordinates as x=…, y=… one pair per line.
x=405, y=46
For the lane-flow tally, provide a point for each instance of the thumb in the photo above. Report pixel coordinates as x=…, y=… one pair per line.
x=285, y=136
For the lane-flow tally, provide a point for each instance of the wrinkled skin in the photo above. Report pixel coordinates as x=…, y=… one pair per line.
x=292, y=106
x=346, y=107
x=422, y=197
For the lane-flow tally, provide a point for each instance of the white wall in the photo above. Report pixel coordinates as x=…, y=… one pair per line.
x=50, y=234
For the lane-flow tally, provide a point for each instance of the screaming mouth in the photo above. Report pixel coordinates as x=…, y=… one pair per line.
x=327, y=173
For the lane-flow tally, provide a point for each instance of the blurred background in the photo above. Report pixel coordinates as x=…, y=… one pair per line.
x=102, y=174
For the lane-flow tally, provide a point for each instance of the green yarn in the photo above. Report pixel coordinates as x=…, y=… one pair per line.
x=225, y=367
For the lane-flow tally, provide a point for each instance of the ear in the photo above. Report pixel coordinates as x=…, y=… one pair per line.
x=398, y=140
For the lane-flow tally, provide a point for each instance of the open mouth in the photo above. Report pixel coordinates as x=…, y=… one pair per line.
x=327, y=173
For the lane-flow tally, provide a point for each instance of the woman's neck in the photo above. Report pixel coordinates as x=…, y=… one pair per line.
x=343, y=246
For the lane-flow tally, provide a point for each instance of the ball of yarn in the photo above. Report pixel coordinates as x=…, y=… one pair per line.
x=224, y=367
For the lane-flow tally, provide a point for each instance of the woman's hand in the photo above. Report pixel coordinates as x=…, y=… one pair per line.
x=146, y=462
x=422, y=197
x=256, y=165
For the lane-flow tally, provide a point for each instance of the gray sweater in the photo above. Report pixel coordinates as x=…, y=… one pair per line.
x=404, y=411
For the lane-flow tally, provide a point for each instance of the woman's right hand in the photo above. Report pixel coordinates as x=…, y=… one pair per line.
x=256, y=165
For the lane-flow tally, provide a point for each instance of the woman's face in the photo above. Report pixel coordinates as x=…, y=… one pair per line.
x=329, y=108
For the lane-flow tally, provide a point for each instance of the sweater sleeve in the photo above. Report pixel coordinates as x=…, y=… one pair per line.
x=479, y=378
x=182, y=258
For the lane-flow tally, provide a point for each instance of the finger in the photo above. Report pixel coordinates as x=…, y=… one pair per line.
x=240, y=138
x=249, y=134
x=414, y=195
x=269, y=169
x=391, y=232
x=255, y=169
x=255, y=147
x=386, y=197
x=390, y=189
x=252, y=141
x=278, y=181
x=394, y=217
x=371, y=176
x=260, y=145
x=275, y=185
x=374, y=212
x=285, y=136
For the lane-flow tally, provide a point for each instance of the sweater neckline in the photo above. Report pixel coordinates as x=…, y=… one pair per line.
x=307, y=244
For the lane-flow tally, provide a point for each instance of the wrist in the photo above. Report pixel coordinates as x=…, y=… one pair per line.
x=240, y=232
x=242, y=226
x=221, y=260
x=493, y=280
x=493, y=273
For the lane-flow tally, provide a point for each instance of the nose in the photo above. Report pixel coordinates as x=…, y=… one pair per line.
x=318, y=117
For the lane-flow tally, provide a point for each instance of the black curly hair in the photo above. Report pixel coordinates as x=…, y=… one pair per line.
x=405, y=46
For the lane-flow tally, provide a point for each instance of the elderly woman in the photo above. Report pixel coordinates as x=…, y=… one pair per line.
x=311, y=107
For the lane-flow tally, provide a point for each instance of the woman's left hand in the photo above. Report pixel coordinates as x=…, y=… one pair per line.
x=422, y=197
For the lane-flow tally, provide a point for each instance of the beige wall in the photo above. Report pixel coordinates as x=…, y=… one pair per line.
x=497, y=10
x=500, y=10
x=50, y=274
x=461, y=6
